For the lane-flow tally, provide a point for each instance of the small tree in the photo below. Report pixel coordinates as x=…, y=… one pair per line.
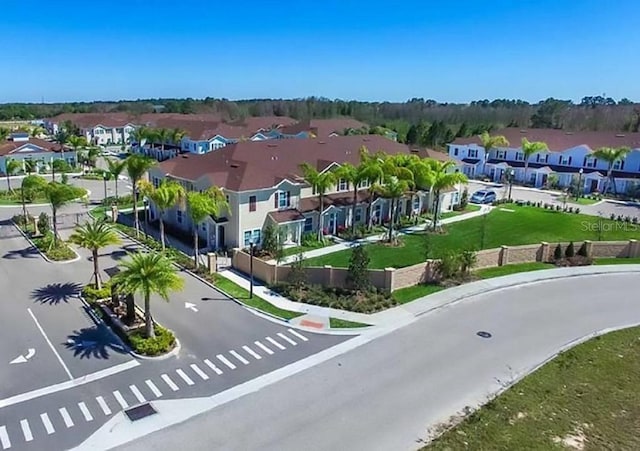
x=427, y=246
x=464, y=199
x=449, y=265
x=468, y=258
x=583, y=250
x=43, y=223
x=358, y=275
x=298, y=276
x=557, y=253
x=570, y=251
x=270, y=240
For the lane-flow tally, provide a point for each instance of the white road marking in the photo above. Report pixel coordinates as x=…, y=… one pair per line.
x=275, y=343
x=297, y=334
x=47, y=423
x=103, y=405
x=123, y=403
x=199, y=372
x=169, y=382
x=263, y=347
x=251, y=352
x=85, y=412
x=287, y=339
x=224, y=360
x=184, y=376
x=153, y=388
x=4, y=438
x=26, y=430
x=68, y=422
x=64, y=366
x=137, y=393
x=239, y=357
x=213, y=367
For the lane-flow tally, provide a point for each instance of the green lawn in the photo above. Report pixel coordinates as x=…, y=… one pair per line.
x=470, y=208
x=404, y=295
x=336, y=323
x=315, y=245
x=102, y=210
x=589, y=392
x=617, y=261
x=525, y=225
x=15, y=197
x=497, y=271
x=582, y=201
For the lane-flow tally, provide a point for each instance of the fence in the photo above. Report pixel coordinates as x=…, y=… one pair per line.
x=392, y=279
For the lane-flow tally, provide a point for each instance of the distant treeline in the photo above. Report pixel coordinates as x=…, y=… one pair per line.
x=413, y=120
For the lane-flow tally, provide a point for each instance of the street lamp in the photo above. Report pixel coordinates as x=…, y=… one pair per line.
x=512, y=173
x=145, y=201
x=579, y=190
x=105, y=177
x=251, y=245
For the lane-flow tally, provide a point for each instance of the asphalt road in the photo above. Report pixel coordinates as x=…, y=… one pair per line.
x=386, y=394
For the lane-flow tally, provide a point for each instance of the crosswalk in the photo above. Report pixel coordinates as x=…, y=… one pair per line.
x=101, y=407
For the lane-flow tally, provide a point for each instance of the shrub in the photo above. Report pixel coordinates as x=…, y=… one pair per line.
x=528, y=203
x=635, y=220
x=576, y=210
x=468, y=258
x=358, y=275
x=43, y=223
x=570, y=209
x=627, y=219
x=570, y=251
x=558, y=207
x=464, y=199
x=612, y=216
x=20, y=220
x=162, y=343
x=91, y=294
x=583, y=250
x=619, y=218
x=449, y=265
x=557, y=253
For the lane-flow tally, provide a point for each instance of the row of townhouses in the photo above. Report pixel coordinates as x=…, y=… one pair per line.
x=264, y=185
x=21, y=147
x=569, y=159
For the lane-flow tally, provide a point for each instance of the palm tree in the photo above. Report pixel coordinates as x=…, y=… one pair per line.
x=31, y=186
x=611, y=155
x=136, y=167
x=58, y=164
x=115, y=168
x=176, y=136
x=320, y=182
x=200, y=205
x=491, y=142
x=62, y=138
x=11, y=167
x=529, y=148
x=372, y=163
x=30, y=166
x=355, y=175
x=94, y=236
x=37, y=131
x=77, y=143
x=162, y=135
x=4, y=133
x=58, y=195
x=139, y=136
x=147, y=274
x=164, y=197
x=392, y=188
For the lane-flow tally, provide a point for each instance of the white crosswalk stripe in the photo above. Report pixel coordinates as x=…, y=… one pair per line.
x=210, y=364
x=287, y=339
x=169, y=382
x=153, y=388
x=297, y=334
x=123, y=403
x=275, y=343
x=199, y=372
x=4, y=438
x=68, y=422
x=224, y=360
x=184, y=377
x=252, y=353
x=85, y=411
x=263, y=347
x=47, y=423
x=239, y=357
x=137, y=393
x=103, y=405
x=26, y=430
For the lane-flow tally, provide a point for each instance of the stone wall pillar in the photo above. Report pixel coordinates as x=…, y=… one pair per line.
x=634, y=249
x=388, y=278
x=328, y=275
x=544, y=251
x=212, y=262
x=503, y=259
x=588, y=244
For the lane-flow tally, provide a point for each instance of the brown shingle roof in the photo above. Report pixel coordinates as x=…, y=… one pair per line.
x=338, y=199
x=559, y=140
x=322, y=128
x=286, y=216
x=6, y=147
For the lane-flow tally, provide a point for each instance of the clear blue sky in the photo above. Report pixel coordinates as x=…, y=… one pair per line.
x=453, y=51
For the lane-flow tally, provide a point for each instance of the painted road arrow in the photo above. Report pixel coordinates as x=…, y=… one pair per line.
x=22, y=358
x=190, y=306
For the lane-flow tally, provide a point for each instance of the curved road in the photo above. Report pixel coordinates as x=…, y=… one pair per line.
x=386, y=394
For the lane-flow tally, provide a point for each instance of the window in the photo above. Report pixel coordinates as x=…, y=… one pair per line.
x=455, y=151
x=501, y=154
x=519, y=156
x=252, y=236
x=282, y=199
x=565, y=160
x=343, y=185
x=358, y=217
x=618, y=165
x=308, y=224
x=473, y=153
x=247, y=238
x=542, y=158
x=364, y=184
x=204, y=226
x=179, y=216
x=252, y=203
x=156, y=182
x=590, y=162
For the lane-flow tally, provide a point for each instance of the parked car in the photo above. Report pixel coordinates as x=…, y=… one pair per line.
x=483, y=197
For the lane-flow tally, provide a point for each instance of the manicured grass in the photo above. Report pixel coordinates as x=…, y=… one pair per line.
x=525, y=225
x=236, y=291
x=497, y=271
x=590, y=391
x=106, y=210
x=470, y=208
x=309, y=247
x=617, y=261
x=15, y=197
x=404, y=295
x=336, y=323
x=582, y=201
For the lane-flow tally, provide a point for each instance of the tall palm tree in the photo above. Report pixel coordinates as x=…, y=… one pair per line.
x=200, y=205
x=115, y=168
x=147, y=274
x=94, y=236
x=37, y=131
x=58, y=165
x=164, y=197
x=136, y=167
x=176, y=136
x=373, y=165
x=77, y=143
x=355, y=175
x=320, y=182
x=4, y=133
x=30, y=166
x=11, y=166
x=392, y=188
x=62, y=138
x=529, y=148
x=58, y=195
x=162, y=135
x=491, y=142
x=139, y=136
x=611, y=155
x=31, y=186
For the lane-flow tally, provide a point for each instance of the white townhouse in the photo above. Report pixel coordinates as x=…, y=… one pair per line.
x=569, y=153
x=97, y=128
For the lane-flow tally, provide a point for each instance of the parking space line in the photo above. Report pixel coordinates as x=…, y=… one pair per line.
x=137, y=393
x=263, y=347
x=68, y=422
x=184, y=376
x=103, y=405
x=47, y=423
x=123, y=403
x=199, y=372
x=275, y=343
x=210, y=364
x=224, y=360
x=169, y=382
x=287, y=339
x=153, y=388
x=4, y=438
x=64, y=366
x=297, y=334
x=239, y=357
x=26, y=430
x=252, y=353
x=85, y=411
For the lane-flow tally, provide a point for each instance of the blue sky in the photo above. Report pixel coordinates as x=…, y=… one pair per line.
x=453, y=51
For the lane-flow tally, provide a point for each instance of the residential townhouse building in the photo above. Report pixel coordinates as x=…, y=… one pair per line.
x=568, y=154
x=98, y=129
x=22, y=147
x=264, y=185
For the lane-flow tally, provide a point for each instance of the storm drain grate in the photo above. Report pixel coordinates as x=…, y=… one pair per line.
x=139, y=412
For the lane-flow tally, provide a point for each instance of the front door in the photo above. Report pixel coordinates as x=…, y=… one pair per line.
x=332, y=223
x=544, y=179
x=593, y=185
x=221, y=241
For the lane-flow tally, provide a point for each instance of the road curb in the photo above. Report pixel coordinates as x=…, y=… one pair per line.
x=47, y=259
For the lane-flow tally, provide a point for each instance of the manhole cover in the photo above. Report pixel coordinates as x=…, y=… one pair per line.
x=140, y=412
x=483, y=334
